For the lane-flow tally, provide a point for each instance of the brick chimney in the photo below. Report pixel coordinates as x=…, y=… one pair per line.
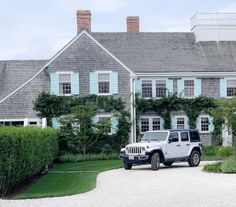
x=132, y=23
x=83, y=20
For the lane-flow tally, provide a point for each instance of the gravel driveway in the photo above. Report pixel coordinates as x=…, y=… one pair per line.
x=179, y=185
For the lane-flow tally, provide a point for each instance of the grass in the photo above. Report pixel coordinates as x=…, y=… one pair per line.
x=226, y=166
x=69, y=178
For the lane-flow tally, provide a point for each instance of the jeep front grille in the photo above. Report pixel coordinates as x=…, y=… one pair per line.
x=134, y=150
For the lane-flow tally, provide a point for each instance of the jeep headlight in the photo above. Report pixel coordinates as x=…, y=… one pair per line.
x=126, y=148
x=143, y=148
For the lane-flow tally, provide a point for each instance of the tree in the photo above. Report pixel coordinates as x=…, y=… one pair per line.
x=79, y=128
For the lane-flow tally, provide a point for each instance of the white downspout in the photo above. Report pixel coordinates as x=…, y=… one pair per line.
x=131, y=110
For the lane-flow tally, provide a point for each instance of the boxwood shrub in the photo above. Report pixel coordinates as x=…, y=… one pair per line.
x=24, y=151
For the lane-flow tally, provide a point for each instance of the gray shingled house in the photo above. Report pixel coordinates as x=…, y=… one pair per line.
x=200, y=62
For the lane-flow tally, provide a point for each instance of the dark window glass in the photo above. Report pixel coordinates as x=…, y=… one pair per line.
x=174, y=137
x=184, y=136
x=103, y=87
x=144, y=124
x=194, y=137
x=160, y=88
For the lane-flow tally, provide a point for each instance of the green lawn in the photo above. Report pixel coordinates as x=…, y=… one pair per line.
x=63, y=179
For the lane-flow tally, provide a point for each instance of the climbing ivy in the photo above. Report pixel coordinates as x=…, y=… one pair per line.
x=164, y=106
x=50, y=106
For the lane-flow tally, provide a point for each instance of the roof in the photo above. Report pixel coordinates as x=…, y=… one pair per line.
x=14, y=73
x=169, y=52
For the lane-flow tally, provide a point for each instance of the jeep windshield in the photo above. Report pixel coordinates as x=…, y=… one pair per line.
x=154, y=136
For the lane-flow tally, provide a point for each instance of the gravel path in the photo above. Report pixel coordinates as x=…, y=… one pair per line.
x=179, y=185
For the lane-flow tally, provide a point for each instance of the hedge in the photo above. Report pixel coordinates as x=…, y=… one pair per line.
x=24, y=151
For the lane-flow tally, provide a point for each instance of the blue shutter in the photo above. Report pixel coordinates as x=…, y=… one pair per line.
x=75, y=83
x=114, y=124
x=198, y=87
x=93, y=83
x=54, y=83
x=55, y=123
x=186, y=120
x=114, y=82
x=138, y=86
x=161, y=123
x=169, y=86
x=198, y=124
x=212, y=127
x=223, y=88
x=95, y=119
x=173, y=122
x=180, y=86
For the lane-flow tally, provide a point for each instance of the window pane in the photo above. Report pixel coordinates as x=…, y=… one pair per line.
x=180, y=123
x=184, y=136
x=160, y=88
x=64, y=77
x=103, y=87
x=231, y=83
x=103, y=77
x=156, y=124
x=204, y=124
x=189, y=88
x=144, y=124
x=65, y=88
x=231, y=91
x=107, y=121
x=174, y=137
x=147, y=89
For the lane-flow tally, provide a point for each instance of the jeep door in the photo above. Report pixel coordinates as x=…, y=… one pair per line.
x=185, y=143
x=172, y=149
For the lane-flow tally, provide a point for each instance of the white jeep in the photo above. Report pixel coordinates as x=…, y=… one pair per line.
x=164, y=146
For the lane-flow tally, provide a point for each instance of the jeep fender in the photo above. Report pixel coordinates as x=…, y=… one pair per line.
x=195, y=148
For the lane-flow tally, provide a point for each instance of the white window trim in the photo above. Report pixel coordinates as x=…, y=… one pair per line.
x=194, y=95
x=153, y=86
x=105, y=72
x=183, y=117
x=106, y=116
x=150, y=120
x=209, y=123
x=64, y=73
x=226, y=79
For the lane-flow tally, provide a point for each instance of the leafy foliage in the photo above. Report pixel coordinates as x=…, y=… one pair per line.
x=23, y=153
x=50, y=106
x=164, y=106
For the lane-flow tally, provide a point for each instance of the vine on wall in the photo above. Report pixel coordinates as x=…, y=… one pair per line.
x=50, y=106
x=172, y=103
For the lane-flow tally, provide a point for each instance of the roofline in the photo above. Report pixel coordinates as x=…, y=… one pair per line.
x=109, y=53
x=188, y=74
x=58, y=54
x=46, y=65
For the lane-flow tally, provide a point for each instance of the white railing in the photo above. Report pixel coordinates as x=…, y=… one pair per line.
x=213, y=19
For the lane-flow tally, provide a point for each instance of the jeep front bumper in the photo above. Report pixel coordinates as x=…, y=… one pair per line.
x=135, y=159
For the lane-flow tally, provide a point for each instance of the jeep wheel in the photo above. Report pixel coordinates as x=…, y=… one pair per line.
x=168, y=164
x=155, y=161
x=194, y=159
x=127, y=166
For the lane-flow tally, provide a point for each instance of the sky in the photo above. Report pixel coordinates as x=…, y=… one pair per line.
x=37, y=29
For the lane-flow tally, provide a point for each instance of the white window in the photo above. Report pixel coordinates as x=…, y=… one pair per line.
x=205, y=124
x=65, y=84
x=144, y=124
x=160, y=88
x=180, y=123
x=147, y=88
x=105, y=119
x=156, y=124
x=103, y=83
x=150, y=123
x=188, y=88
x=231, y=88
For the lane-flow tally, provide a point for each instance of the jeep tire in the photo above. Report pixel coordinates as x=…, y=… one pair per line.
x=168, y=164
x=155, y=161
x=194, y=159
x=127, y=166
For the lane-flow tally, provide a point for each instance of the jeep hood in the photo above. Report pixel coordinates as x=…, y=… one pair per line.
x=146, y=144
